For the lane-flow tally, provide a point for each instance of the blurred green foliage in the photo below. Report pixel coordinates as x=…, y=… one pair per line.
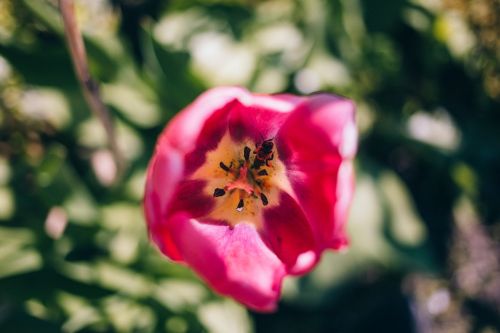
x=425, y=224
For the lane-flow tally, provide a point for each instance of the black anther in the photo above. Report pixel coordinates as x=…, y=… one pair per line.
x=241, y=203
x=246, y=153
x=264, y=199
x=218, y=192
x=224, y=167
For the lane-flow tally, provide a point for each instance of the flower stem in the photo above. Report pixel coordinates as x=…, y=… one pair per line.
x=90, y=87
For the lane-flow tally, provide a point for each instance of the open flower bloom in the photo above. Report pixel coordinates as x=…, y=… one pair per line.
x=246, y=189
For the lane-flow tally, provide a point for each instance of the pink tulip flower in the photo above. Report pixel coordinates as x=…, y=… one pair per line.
x=246, y=189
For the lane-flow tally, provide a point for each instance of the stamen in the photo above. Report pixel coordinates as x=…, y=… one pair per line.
x=239, y=208
x=219, y=192
x=264, y=199
x=225, y=167
x=246, y=153
x=262, y=173
x=257, y=163
x=269, y=159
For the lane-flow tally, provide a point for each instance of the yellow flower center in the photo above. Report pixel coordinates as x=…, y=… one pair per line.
x=243, y=180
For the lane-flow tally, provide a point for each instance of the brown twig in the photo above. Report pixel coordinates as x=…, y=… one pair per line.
x=89, y=86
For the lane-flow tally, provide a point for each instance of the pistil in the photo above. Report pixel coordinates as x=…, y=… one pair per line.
x=241, y=182
x=248, y=182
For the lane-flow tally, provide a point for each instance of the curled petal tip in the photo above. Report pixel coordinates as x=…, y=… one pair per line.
x=349, y=144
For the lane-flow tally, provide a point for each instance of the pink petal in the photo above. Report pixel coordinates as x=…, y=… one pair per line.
x=260, y=117
x=209, y=137
x=234, y=261
x=289, y=235
x=184, y=130
x=190, y=198
x=254, y=122
x=344, y=194
x=164, y=173
x=279, y=102
x=314, y=143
